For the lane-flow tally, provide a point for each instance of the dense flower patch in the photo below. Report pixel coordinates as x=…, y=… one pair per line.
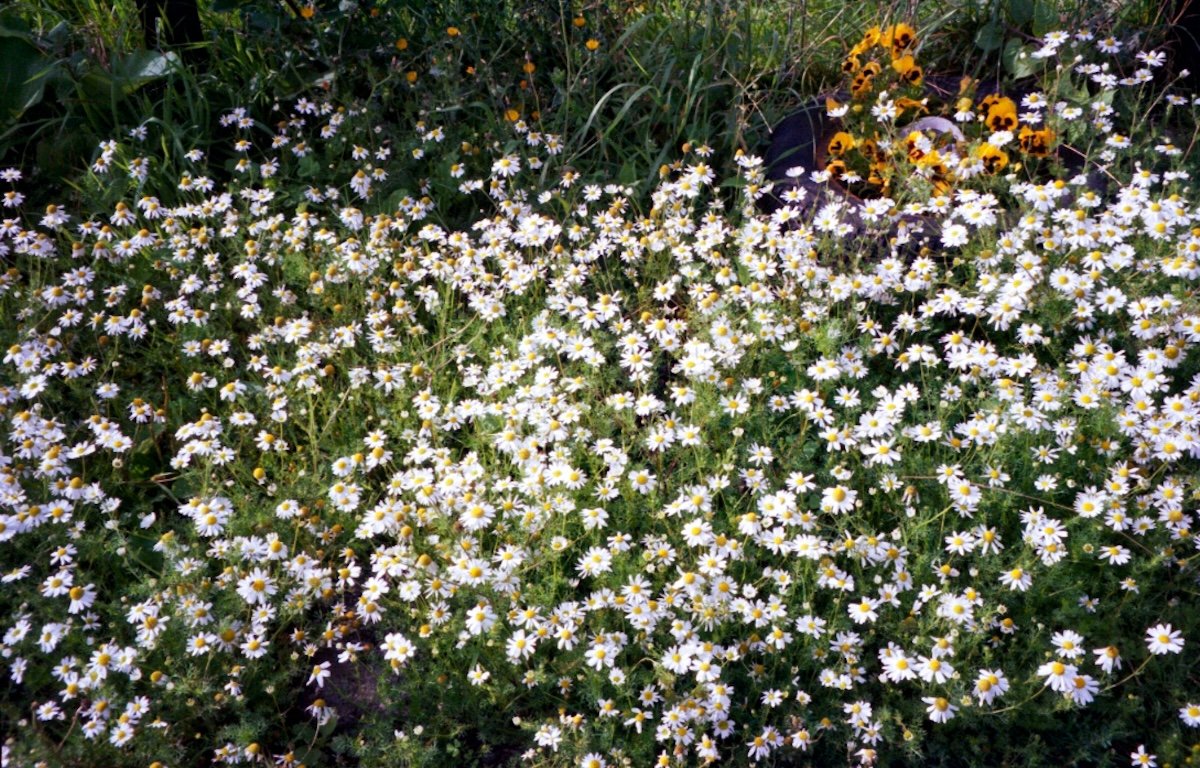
x=889, y=87
x=609, y=475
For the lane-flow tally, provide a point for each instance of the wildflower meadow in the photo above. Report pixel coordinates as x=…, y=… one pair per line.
x=394, y=384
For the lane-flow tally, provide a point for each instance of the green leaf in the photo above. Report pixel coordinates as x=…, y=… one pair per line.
x=59, y=36
x=143, y=545
x=128, y=74
x=95, y=86
x=1021, y=11
x=185, y=487
x=1045, y=18
x=1017, y=61
x=990, y=37
x=24, y=71
x=139, y=68
x=308, y=167
x=628, y=174
x=144, y=461
x=12, y=25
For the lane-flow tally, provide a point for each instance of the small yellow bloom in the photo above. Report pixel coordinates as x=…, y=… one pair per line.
x=885, y=37
x=861, y=85
x=453, y=31
x=578, y=21
x=903, y=37
x=592, y=44
x=906, y=67
x=410, y=76
x=840, y=144
x=869, y=149
x=994, y=159
x=920, y=149
x=308, y=11
x=1002, y=115
x=1036, y=143
x=402, y=44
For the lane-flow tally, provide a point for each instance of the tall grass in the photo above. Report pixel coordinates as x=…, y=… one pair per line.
x=665, y=73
